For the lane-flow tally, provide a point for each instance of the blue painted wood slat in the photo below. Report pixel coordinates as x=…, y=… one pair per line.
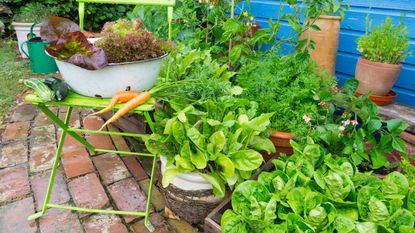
x=352, y=27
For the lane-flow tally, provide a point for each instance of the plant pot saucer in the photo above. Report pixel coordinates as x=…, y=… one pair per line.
x=381, y=100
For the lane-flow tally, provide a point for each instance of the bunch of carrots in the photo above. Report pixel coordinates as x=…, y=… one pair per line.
x=133, y=99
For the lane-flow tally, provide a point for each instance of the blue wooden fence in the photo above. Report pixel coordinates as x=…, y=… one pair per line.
x=352, y=27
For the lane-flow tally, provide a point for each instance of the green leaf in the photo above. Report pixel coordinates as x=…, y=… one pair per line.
x=236, y=52
x=396, y=126
x=374, y=125
x=261, y=122
x=179, y=132
x=168, y=127
x=183, y=163
x=168, y=176
x=246, y=160
x=350, y=86
x=378, y=159
x=218, y=141
x=217, y=183
x=399, y=145
x=228, y=169
x=196, y=137
x=262, y=144
x=343, y=224
x=185, y=151
x=198, y=159
x=233, y=223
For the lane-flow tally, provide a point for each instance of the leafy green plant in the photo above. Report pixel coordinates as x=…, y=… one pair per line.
x=219, y=140
x=316, y=192
x=212, y=79
x=316, y=8
x=127, y=41
x=351, y=126
x=33, y=12
x=387, y=43
x=67, y=43
x=287, y=85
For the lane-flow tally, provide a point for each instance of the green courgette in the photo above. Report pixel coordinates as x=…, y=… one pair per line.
x=60, y=88
x=41, y=90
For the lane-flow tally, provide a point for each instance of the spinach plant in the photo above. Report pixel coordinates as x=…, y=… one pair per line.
x=220, y=140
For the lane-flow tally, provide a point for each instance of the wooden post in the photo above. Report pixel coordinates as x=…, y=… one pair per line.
x=230, y=41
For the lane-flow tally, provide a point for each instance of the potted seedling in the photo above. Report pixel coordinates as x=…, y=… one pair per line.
x=124, y=57
x=383, y=50
x=325, y=17
x=206, y=148
x=25, y=18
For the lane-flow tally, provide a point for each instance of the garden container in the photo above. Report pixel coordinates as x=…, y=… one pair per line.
x=326, y=41
x=189, y=195
x=212, y=221
x=22, y=32
x=40, y=63
x=113, y=78
x=381, y=100
x=281, y=141
x=376, y=77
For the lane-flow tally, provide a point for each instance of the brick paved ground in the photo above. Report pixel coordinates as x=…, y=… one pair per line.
x=28, y=141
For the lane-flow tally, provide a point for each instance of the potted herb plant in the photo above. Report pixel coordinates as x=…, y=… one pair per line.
x=324, y=18
x=26, y=17
x=383, y=50
x=206, y=148
x=290, y=87
x=125, y=56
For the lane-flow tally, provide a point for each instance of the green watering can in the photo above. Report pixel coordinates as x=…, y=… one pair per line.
x=39, y=61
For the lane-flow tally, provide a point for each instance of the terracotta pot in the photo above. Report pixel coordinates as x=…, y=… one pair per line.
x=376, y=77
x=326, y=41
x=381, y=100
x=281, y=142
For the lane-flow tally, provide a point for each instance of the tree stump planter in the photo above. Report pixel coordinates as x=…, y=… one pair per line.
x=189, y=196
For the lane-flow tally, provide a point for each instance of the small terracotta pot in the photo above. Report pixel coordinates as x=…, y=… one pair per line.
x=381, y=100
x=281, y=141
x=326, y=41
x=376, y=77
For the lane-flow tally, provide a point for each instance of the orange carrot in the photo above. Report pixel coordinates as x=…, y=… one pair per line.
x=120, y=97
x=141, y=98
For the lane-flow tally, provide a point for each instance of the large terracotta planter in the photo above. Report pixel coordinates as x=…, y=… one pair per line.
x=376, y=77
x=281, y=141
x=326, y=41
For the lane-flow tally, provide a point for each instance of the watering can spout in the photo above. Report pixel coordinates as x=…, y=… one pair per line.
x=40, y=62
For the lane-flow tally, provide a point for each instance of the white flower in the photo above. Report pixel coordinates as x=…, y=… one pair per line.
x=354, y=122
x=341, y=128
x=346, y=123
x=306, y=118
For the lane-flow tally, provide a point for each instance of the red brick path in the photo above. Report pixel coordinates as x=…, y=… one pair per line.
x=28, y=141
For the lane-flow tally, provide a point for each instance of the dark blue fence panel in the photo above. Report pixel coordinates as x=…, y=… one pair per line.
x=352, y=27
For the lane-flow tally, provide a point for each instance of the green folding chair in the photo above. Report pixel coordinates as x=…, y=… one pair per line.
x=75, y=100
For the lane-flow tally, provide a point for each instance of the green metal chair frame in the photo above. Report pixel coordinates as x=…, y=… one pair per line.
x=75, y=100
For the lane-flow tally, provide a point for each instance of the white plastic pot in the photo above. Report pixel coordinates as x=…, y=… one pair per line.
x=189, y=181
x=22, y=30
x=115, y=77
